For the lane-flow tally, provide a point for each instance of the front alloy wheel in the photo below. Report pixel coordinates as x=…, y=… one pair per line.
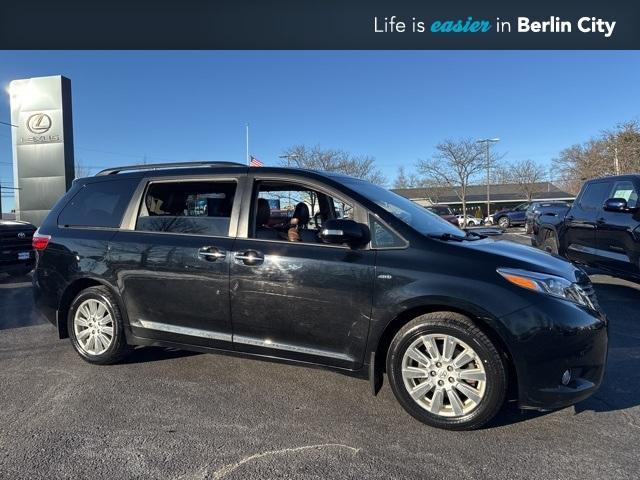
x=446, y=372
x=443, y=375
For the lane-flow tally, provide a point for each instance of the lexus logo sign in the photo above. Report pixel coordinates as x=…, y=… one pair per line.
x=39, y=123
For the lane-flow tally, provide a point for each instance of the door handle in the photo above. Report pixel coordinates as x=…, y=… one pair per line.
x=250, y=257
x=211, y=254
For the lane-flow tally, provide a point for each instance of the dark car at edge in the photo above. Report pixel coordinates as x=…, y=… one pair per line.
x=16, y=253
x=358, y=280
x=535, y=208
x=600, y=230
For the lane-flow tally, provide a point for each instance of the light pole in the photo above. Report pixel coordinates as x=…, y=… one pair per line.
x=487, y=142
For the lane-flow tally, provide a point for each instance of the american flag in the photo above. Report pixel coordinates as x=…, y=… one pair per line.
x=254, y=162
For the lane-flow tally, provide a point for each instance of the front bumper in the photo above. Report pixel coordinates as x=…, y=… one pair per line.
x=550, y=338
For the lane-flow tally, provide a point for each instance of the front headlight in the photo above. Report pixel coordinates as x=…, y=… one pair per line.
x=548, y=284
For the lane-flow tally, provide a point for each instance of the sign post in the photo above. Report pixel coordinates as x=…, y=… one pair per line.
x=43, y=163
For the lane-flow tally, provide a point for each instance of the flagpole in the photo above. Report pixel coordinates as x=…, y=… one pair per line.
x=248, y=159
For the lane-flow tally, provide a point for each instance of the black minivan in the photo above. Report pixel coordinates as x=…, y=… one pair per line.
x=354, y=278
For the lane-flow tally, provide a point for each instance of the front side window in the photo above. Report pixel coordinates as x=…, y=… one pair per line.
x=98, y=204
x=293, y=212
x=627, y=191
x=197, y=208
x=594, y=195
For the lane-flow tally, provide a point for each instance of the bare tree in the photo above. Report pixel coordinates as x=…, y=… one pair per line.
x=455, y=164
x=499, y=171
x=623, y=147
x=333, y=160
x=407, y=180
x=613, y=151
x=526, y=174
x=402, y=179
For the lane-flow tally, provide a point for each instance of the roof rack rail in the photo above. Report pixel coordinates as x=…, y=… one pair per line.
x=162, y=166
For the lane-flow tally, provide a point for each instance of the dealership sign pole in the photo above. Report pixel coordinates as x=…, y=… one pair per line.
x=43, y=163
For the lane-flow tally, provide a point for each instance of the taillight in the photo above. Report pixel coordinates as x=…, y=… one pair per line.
x=40, y=241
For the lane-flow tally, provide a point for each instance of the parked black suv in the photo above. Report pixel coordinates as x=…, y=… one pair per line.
x=357, y=279
x=16, y=254
x=601, y=229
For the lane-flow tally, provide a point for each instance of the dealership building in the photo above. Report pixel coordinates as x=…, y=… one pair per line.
x=506, y=195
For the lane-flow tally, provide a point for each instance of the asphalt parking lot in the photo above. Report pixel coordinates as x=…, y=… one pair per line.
x=172, y=414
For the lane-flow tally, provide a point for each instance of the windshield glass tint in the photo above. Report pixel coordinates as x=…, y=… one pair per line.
x=411, y=213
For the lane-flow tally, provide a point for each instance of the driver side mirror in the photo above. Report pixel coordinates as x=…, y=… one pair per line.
x=617, y=205
x=339, y=231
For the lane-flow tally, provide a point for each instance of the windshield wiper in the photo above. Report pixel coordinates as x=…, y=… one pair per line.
x=474, y=236
x=446, y=236
x=471, y=236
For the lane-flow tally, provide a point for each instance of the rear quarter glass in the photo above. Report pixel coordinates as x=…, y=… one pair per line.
x=98, y=204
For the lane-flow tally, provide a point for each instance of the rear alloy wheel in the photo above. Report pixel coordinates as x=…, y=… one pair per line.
x=446, y=372
x=504, y=222
x=95, y=326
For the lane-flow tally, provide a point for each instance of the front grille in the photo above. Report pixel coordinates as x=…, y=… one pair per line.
x=11, y=240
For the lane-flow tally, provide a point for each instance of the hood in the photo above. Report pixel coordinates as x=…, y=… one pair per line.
x=508, y=254
x=15, y=225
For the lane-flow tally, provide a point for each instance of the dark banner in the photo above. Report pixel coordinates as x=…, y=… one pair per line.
x=319, y=24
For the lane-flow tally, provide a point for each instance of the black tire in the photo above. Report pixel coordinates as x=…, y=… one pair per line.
x=504, y=222
x=118, y=349
x=550, y=243
x=462, y=328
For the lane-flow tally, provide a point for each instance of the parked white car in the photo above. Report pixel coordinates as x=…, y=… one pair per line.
x=469, y=222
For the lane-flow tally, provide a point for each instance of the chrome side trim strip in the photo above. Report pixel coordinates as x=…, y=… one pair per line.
x=621, y=257
x=290, y=348
x=192, y=332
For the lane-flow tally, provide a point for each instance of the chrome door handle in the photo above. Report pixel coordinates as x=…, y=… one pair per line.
x=250, y=257
x=211, y=254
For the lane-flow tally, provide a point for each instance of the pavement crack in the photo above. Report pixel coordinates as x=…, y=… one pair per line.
x=225, y=470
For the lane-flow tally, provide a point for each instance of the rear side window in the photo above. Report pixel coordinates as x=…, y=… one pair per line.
x=594, y=195
x=98, y=204
x=196, y=208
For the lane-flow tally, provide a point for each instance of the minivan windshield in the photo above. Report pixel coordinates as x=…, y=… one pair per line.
x=417, y=217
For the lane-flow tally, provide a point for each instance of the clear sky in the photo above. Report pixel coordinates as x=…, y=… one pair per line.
x=395, y=106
